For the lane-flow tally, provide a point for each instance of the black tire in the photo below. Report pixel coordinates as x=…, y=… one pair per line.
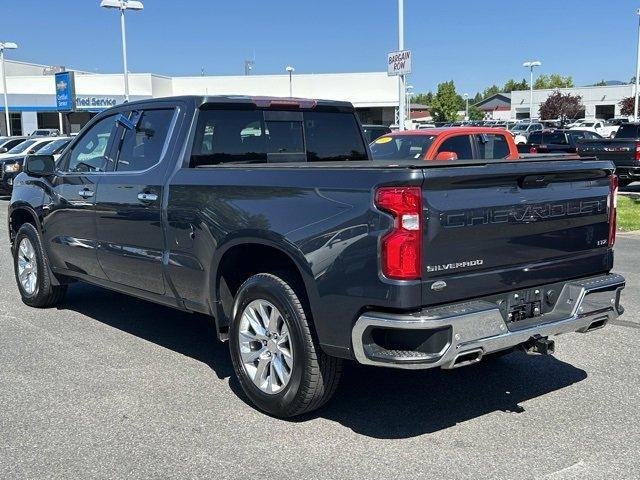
x=624, y=182
x=314, y=375
x=45, y=294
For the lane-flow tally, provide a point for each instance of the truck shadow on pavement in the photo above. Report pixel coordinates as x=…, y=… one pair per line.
x=376, y=402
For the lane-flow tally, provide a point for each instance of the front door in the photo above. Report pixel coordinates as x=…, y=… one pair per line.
x=129, y=202
x=69, y=226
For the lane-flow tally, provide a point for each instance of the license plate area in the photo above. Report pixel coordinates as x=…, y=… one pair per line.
x=529, y=304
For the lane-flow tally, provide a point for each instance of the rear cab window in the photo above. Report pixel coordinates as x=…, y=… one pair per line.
x=259, y=136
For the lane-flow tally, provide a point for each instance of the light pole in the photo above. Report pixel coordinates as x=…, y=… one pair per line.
x=123, y=5
x=466, y=107
x=290, y=70
x=531, y=66
x=401, y=79
x=6, y=46
x=635, y=107
x=408, y=92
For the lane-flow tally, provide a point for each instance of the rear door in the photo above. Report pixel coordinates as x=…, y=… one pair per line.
x=129, y=202
x=492, y=227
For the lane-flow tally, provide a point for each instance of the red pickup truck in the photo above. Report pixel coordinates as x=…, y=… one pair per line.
x=466, y=143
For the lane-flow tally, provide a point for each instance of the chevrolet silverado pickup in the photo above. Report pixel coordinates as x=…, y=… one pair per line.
x=623, y=150
x=270, y=216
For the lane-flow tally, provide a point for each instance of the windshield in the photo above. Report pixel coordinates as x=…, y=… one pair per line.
x=401, y=147
x=520, y=127
x=54, y=147
x=587, y=124
x=21, y=147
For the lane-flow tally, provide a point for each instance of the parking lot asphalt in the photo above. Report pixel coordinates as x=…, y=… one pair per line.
x=107, y=386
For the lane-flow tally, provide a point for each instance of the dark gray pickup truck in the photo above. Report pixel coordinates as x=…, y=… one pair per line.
x=623, y=151
x=270, y=216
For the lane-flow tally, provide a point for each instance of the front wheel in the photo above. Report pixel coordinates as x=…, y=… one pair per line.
x=34, y=280
x=275, y=354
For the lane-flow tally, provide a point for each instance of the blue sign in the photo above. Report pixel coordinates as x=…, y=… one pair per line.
x=65, y=92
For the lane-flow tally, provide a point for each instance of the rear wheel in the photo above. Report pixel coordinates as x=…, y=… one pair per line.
x=625, y=182
x=31, y=268
x=275, y=355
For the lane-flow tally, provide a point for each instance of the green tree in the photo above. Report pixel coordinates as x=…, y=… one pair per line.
x=446, y=103
x=475, y=113
x=422, y=98
x=553, y=81
x=601, y=83
x=511, y=85
x=477, y=99
x=489, y=91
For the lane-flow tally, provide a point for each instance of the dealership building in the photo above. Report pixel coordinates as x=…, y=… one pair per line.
x=599, y=102
x=31, y=90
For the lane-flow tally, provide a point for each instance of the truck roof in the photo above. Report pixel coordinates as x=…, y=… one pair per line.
x=442, y=130
x=259, y=101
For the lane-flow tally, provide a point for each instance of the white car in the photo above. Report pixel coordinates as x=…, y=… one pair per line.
x=29, y=146
x=576, y=123
x=598, y=126
x=55, y=148
x=521, y=131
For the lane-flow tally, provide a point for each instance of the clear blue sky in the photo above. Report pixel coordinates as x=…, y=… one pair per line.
x=474, y=42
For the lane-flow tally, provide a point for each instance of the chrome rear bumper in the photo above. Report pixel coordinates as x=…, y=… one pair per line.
x=473, y=329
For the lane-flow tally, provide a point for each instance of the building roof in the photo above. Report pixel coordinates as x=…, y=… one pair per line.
x=498, y=100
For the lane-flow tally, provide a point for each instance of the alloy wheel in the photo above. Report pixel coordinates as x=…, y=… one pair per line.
x=265, y=346
x=27, y=266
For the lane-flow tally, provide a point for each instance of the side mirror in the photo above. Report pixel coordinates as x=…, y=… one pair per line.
x=39, y=165
x=447, y=156
x=3, y=150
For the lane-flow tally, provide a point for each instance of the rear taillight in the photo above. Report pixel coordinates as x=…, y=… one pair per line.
x=612, y=206
x=401, y=248
x=533, y=150
x=638, y=151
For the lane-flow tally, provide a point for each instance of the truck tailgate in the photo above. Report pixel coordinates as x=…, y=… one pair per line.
x=620, y=152
x=495, y=227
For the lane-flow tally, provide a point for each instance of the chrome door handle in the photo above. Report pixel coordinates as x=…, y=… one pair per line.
x=147, y=197
x=85, y=193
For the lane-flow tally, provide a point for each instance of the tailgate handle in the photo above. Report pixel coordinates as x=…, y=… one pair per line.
x=535, y=181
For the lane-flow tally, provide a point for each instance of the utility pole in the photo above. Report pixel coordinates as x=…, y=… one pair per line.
x=401, y=78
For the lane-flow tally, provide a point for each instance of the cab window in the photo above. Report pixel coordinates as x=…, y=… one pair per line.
x=492, y=147
x=460, y=145
x=141, y=146
x=89, y=154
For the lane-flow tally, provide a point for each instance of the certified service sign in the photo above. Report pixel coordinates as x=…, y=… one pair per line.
x=65, y=92
x=399, y=63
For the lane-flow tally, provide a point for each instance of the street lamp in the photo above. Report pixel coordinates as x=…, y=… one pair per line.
x=123, y=5
x=290, y=70
x=635, y=107
x=401, y=78
x=408, y=92
x=6, y=46
x=531, y=66
x=466, y=107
